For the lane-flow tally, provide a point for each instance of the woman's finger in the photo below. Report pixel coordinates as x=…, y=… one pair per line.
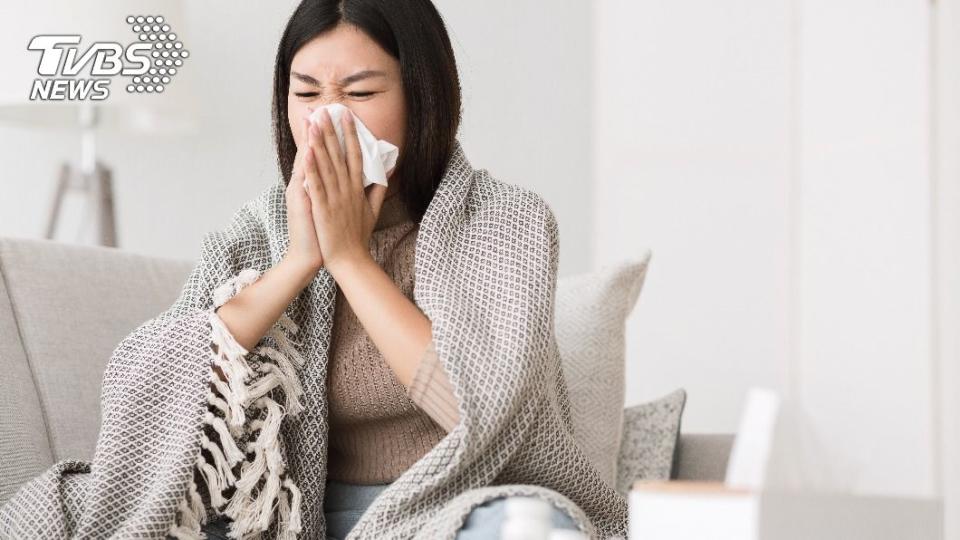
x=317, y=194
x=314, y=184
x=332, y=144
x=324, y=166
x=296, y=190
x=297, y=172
x=354, y=157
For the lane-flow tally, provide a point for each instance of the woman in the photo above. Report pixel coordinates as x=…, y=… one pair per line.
x=329, y=53
x=425, y=384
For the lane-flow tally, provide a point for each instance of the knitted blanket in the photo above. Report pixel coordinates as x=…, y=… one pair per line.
x=194, y=425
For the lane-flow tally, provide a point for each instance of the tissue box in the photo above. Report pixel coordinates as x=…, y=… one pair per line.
x=686, y=510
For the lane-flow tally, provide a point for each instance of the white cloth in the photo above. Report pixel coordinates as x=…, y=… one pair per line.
x=379, y=156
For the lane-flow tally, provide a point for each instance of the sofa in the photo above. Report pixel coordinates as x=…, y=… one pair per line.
x=63, y=310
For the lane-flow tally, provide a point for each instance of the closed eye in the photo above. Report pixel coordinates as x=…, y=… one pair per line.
x=354, y=94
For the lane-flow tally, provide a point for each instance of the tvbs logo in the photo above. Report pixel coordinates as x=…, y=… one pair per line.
x=150, y=63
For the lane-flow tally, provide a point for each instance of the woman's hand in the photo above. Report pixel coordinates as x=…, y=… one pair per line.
x=304, y=249
x=344, y=214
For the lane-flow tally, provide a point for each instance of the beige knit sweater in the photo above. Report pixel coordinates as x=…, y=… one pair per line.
x=378, y=426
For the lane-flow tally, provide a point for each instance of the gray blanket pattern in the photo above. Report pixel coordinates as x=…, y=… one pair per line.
x=178, y=444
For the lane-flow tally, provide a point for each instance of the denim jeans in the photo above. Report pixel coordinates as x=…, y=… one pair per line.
x=345, y=503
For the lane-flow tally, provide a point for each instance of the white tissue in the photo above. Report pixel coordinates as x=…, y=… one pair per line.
x=379, y=156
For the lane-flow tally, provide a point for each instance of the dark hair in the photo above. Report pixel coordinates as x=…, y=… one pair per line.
x=413, y=32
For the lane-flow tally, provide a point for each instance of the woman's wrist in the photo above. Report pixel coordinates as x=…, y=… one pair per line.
x=300, y=270
x=348, y=263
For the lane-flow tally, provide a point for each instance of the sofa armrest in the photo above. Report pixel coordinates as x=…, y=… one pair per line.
x=702, y=456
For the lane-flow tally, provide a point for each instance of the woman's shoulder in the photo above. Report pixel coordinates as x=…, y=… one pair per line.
x=493, y=189
x=252, y=230
x=513, y=205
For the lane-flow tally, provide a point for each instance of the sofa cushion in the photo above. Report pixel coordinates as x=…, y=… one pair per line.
x=651, y=433
x=591, y=312
x=24, y=446
x=73, y=304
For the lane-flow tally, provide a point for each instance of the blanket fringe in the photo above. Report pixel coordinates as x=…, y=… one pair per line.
x=263, y=489
x=193, y=515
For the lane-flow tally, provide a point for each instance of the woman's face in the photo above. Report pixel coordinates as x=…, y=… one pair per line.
x=347, y=67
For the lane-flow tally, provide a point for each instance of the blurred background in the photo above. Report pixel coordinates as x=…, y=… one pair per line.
x=792, y=164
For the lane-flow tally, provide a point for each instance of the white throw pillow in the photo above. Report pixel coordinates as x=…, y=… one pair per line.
x=590, y=319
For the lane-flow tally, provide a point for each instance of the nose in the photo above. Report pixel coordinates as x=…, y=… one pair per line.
x=311, y=109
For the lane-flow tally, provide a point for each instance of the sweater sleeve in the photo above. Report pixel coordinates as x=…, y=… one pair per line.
x=431, y=390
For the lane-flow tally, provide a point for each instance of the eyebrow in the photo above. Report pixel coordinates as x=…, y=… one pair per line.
x=349, y=79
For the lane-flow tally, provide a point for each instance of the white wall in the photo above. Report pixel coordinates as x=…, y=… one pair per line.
x=693, y=156
x=865, y=228
x=947, y=252
x=775, y=156
x=188, y=183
